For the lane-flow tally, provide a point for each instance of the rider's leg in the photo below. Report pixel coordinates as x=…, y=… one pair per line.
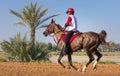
x=67, y=44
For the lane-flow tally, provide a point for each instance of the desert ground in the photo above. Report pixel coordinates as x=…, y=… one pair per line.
x=54, y=69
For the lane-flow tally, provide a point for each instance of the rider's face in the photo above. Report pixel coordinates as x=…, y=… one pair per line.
x=69, y=13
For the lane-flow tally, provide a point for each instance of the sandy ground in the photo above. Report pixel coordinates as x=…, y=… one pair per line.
x=54, y=69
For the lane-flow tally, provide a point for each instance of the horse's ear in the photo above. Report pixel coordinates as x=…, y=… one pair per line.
x=52, y=21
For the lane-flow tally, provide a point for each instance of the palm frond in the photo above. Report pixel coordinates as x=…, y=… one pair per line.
x=45, y=19
x=20, y=23
x=27, y=14
x=33, y=7
x=42, y=26
x=38, y=10
x=41, y=14
x=17, y=14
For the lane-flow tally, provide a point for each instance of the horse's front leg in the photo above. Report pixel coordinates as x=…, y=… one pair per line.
x=70, y=62
x=59, y=59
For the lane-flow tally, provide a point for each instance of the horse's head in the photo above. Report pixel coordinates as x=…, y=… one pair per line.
x=50, y=28
x=53, y=28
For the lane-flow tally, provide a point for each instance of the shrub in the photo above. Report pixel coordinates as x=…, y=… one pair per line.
x=39, y=52
x=19, y=49
x=2, y=59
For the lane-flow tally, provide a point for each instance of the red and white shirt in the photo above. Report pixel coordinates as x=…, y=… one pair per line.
x=71, y=23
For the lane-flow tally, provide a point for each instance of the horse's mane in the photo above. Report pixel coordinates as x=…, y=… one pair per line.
x=60, y=27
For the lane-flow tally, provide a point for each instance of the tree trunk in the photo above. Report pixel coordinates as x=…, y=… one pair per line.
x=32, y=35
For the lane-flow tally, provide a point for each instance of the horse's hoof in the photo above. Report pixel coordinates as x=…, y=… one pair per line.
x=79, y=70
x=63, y=66
x=94, y=69
x=84, y=69
x=68, y=67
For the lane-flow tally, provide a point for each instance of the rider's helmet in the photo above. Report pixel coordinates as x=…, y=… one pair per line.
x=70, y=10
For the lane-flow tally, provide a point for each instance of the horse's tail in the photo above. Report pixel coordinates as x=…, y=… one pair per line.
x=103, y=36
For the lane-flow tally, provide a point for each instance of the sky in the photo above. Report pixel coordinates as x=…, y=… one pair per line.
x=92, y=15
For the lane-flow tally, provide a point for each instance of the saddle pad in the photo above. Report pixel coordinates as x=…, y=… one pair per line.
x=72, y=37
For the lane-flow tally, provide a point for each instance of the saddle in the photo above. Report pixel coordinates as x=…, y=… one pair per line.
x=77, y=33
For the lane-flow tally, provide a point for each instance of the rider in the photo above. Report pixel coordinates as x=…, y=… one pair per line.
x=71, y=25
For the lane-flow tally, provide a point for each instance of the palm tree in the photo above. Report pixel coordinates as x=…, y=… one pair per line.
x=33, y=17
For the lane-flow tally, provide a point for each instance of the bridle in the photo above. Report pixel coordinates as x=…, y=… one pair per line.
x=56, y=41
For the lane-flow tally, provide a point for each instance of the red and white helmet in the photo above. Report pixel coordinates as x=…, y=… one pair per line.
x=70, y=10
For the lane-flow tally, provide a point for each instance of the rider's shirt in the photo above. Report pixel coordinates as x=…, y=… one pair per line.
x=71, y=23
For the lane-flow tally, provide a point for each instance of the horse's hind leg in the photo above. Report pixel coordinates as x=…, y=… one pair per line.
x=99, y=55
x=91, y=58
x=59, y=59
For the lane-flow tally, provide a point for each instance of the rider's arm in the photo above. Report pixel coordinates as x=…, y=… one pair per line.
x=68, y=21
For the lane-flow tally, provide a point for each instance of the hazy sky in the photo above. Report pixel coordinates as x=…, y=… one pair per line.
x=92, y=15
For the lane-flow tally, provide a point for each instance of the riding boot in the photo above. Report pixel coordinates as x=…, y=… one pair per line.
x=67, y=48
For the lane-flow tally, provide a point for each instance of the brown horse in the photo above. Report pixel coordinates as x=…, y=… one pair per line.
x=89, y=41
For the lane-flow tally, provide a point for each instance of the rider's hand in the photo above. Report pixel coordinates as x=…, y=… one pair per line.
x=65, y=27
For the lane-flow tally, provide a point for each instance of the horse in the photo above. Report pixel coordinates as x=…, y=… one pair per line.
x=88, y=41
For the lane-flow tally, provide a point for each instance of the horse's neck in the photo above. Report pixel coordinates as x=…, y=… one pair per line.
x=57, y=37
x=58, y=33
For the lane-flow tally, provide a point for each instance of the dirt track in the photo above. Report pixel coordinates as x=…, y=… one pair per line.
x=54, y=69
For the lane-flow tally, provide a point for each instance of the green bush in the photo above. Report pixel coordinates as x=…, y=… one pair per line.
x=2, y=59
x=39, y=52
x=19, y=49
